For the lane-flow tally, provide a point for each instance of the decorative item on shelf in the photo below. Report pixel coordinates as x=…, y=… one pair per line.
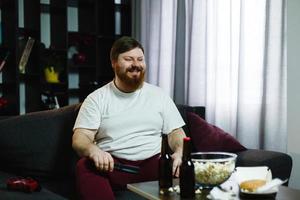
x=94, y=84
x=90, y=86
x=81, y=48
x=3, y=61
x=3, y=102
x=76, y=56
x=50, y=100
x=72, y=50
x=26, y=54
x=51, y=75
x=79, y=58
x=3, y=105
x=52, y=64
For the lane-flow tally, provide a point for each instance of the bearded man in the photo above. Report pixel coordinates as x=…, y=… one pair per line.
x=122, y=122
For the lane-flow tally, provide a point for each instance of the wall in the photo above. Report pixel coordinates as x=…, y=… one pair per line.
x=293, y=74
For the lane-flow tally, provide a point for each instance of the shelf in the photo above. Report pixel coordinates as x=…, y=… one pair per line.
x=45, y=8
x=27, y=32
x=83, y=66
x=55, y=89
x=57, y=85
x=74, y=91
x=107, y=37
x=122, y=6
x=56, y=50
x=8, y=86
x=90, y=64
x=72, y=3
x=53, y=9
x=81, y=33
x=29, y=77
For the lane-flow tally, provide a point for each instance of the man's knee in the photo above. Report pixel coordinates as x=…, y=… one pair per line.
x=84, y=165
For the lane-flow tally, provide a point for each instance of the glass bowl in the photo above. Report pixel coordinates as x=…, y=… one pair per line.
x=213, y=168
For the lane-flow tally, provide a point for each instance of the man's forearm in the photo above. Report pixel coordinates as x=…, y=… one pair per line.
x=176, y=140
x=82, y=143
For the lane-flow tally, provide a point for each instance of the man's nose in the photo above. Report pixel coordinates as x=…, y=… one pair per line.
x=136, y=63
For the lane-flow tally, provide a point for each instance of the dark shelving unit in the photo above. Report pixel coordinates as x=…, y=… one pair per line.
x=31, y=78
x=95, y=36
x=10, y=89
x=96, y=32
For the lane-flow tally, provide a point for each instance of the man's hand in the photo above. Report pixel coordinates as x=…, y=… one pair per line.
x=176, y=163
x=103, y=160
x=176, y=144
x=83, y=144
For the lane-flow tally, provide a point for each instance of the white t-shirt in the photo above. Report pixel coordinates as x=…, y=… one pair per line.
x=129, y=125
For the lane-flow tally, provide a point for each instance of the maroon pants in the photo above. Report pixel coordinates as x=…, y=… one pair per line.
x=95, y=185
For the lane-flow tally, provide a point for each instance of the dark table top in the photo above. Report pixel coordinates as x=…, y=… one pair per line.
x=150, y=191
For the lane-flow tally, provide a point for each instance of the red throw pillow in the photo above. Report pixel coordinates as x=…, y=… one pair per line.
x=206, y=137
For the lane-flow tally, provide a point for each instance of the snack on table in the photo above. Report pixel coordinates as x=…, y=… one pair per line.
x=252, y=185
x=212, y=173
x=213, y=168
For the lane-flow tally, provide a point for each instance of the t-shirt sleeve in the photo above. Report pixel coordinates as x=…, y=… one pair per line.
x=171, y=116
x=89, y=115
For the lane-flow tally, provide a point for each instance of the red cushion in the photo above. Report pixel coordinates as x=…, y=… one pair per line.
x=207, y=137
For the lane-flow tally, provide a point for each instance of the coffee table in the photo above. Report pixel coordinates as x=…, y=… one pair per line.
x=149, y=190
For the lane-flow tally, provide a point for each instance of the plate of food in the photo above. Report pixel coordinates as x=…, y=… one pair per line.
x=257, y=182
x=251, y=188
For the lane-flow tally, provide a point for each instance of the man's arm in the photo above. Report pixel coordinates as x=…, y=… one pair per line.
x=176, y=143
x=83, y=144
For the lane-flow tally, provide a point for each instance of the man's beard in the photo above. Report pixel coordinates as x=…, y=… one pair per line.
x=133, y=83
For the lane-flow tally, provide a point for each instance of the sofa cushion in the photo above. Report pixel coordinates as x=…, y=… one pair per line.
x=39, y=144
x=207, y=137
x=184, y=109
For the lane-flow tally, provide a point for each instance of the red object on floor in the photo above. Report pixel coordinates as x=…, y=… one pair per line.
x=22, y=184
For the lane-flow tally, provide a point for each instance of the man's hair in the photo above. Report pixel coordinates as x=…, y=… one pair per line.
x=122, y=45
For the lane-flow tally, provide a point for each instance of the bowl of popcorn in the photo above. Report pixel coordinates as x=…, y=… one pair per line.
x=213, y=168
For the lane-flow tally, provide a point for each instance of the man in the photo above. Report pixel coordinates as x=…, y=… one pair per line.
x=122, y=122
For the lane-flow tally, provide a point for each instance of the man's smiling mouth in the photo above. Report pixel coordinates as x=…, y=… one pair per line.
x=135, y=69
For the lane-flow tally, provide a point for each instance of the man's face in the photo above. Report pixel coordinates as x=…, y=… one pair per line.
x=130, y=68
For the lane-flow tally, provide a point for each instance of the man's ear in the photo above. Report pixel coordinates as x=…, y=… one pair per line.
x=113, y=63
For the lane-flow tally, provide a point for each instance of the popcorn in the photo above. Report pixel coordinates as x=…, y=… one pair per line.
x=211, y=173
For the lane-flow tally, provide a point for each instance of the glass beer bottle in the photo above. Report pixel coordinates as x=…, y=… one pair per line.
x=187, y=174
x=165, y=167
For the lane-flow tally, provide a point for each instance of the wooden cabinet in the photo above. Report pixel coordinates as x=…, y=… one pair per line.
x=82, y=53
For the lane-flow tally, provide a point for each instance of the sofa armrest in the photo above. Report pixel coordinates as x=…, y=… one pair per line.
x=279, y=163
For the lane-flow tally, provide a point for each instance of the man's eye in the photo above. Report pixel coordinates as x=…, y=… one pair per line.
x=128, y=59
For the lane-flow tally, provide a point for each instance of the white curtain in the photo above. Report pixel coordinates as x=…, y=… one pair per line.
x=158, y=38
x=226, y=55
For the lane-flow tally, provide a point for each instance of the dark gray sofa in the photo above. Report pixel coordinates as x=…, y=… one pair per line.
x=38, y=145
